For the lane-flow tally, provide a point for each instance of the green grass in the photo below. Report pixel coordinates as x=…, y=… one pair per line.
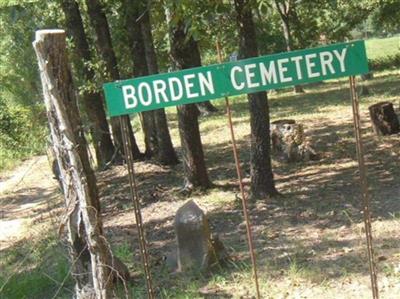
x=383, y=53
x=381, y=47
x=10, y=157
x=35, y=269
x=124, y=252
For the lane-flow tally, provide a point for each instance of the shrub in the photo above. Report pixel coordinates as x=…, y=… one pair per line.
x=22, y=133
x=385, y=62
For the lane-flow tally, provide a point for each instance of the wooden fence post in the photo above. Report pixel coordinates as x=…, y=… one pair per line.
x=90, y=254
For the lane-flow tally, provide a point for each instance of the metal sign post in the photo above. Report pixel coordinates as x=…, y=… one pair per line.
x=136, y=205
x=244, y=198
x=364, y=187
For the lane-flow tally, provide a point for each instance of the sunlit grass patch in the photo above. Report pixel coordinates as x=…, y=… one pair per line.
x=380, y=47
x=35, y=269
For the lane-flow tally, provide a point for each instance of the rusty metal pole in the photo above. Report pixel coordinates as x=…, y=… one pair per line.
x=240, y=178
x=136, y=205
x=364, y=187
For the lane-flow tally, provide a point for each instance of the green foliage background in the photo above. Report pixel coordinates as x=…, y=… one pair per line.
x=22, y=118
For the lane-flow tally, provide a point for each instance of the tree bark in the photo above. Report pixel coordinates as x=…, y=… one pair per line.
x=92, y=101
x=99, y=22
x=284, y=9
x=262, y=181
x=206, y=108
x=85, y=235
x=284, y=12
x=165, y=152
x=185, y=54
x=133, y=14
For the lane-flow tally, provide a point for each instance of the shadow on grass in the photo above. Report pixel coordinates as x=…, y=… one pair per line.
x=33, y=199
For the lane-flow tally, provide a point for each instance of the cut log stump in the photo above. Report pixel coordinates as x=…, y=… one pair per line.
x=384, y=119
x=289, y=142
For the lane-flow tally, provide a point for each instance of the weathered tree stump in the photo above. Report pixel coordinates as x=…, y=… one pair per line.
x=289, y=143
x=384, y=119
x=197, y=250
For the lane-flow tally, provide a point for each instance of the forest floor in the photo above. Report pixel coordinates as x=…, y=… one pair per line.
x=310, y=243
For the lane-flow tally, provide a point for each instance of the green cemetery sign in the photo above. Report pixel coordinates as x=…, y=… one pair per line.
x=234, y=78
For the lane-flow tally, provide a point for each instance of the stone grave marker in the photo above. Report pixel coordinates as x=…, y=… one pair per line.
x=195, y=250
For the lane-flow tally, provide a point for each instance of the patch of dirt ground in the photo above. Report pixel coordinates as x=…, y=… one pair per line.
x=27, y=200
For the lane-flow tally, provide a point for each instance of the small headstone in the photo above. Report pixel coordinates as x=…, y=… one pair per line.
x=195, y=246
x=193, y=237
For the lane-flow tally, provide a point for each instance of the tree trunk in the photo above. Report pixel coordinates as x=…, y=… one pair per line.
x=92, y=101
x=367, y=76
x=185, y=54
x=99, y=23
x=133, y=14
x=364, y=90
x=298, y=89
x=384, y=119
x=83, y=219
x=284, y=12
x=262, y=181
x=206, y=108
x=165, y=151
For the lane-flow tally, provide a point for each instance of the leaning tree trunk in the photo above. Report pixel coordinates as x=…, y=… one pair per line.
x=83, y=219
x=99, y=22
x=384, y=119
x=92, y=101
x=133, y=14
x=165, y=151
x=262, y=181
x=185, y=54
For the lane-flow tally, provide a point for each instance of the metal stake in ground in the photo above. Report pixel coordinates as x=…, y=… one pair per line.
x=136, y=206
x=364, y=187
x=239, y=174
